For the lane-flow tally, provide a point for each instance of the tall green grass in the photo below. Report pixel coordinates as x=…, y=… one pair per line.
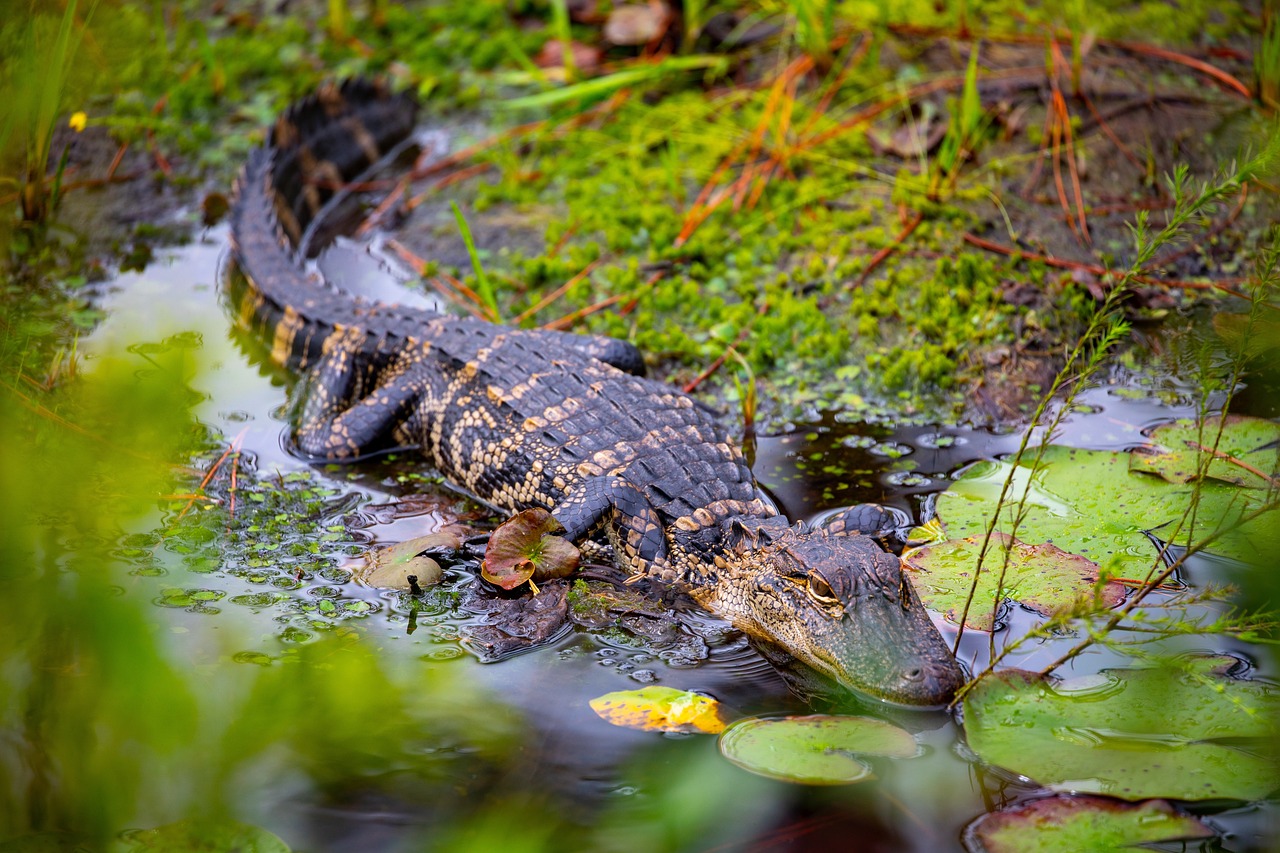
x=35, y=91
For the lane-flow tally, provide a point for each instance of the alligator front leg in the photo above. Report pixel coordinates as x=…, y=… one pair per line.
x=633, y=526
x=350, y=409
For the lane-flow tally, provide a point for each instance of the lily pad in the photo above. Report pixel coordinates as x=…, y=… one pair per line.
x=814, y=750
x=1131, y=733
x=1247, y=451
x=1070, y=824
x=523, y=548
x=1087, y=502
x=1041, y=578
x=189, y=836
x=660, y=709
x=390, y=567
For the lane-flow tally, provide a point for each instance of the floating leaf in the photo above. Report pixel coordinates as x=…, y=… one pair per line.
x=1069, y=824
x=814, y=750
x=1131, y=733
x=1248, y=451
x=660, y=709
x=1087, y=502
x=522, y=548
x=390, y=567
x=1042, y=578
x=190, y=836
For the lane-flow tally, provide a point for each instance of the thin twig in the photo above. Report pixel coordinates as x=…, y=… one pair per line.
x=1103, y=272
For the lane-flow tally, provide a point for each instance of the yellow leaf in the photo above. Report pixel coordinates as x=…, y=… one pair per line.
x=77, y=121
x=660, y=709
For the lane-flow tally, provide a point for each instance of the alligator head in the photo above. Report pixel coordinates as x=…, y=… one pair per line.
x=840, y=605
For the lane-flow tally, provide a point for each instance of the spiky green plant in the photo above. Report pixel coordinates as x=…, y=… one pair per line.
x=36, y=90
x=1266, y=59
x=1105, y=330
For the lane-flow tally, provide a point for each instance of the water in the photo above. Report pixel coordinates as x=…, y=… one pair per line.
x=459, y=748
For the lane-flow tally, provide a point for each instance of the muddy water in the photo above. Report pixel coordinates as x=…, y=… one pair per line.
x=588, y=772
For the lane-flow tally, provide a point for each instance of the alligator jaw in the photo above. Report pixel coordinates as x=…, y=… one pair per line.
x=841, y=606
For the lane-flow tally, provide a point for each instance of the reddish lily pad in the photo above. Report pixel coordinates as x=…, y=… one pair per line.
x=660, y=709
x=816, y=749
x=1069, y=824
x=1042, y=578
x=1231, y=448
x=523, y=548
x=1177, y=731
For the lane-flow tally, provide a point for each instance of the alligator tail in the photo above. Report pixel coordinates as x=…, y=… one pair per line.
x=320, y=143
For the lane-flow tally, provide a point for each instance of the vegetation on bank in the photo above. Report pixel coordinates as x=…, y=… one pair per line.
x=818, y=197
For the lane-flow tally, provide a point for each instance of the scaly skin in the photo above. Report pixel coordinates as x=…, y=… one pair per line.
x=525, y=418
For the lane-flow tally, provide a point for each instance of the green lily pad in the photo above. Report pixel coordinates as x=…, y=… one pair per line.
x=523, y=548
x=1087, y=502
x=814, y=750
x=1247, y=451
x=191, y=836
x=1071, y=824
x=1041, y=578
x=1131, y=733
x=391, y=567
x=660, y=709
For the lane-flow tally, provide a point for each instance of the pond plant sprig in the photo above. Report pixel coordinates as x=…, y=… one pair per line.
x=1268, y=281
x=1106, y=328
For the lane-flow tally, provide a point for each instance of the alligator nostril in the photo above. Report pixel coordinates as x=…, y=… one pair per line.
x=914, y=674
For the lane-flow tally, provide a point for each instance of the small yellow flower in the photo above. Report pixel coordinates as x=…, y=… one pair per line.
x=77, y=121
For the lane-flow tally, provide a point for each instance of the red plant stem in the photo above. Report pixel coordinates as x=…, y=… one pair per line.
x=1102, y=272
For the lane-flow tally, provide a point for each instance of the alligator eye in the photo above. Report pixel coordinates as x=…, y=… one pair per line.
x=820, y=590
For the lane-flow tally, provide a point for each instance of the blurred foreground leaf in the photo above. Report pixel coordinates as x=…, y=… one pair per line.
x=194, y=836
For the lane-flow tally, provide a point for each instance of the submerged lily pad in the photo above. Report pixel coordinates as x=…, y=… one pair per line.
x=523, y=548
x=191, y=836
x=1070, y=824
x=1087, y=502
x=1131, y=733
x=1041, y=578
x=660, y=709
x=814, y=750
x=390, y=567
x=1247, y=451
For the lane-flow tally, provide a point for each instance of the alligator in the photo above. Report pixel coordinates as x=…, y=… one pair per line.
x=524, y=418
